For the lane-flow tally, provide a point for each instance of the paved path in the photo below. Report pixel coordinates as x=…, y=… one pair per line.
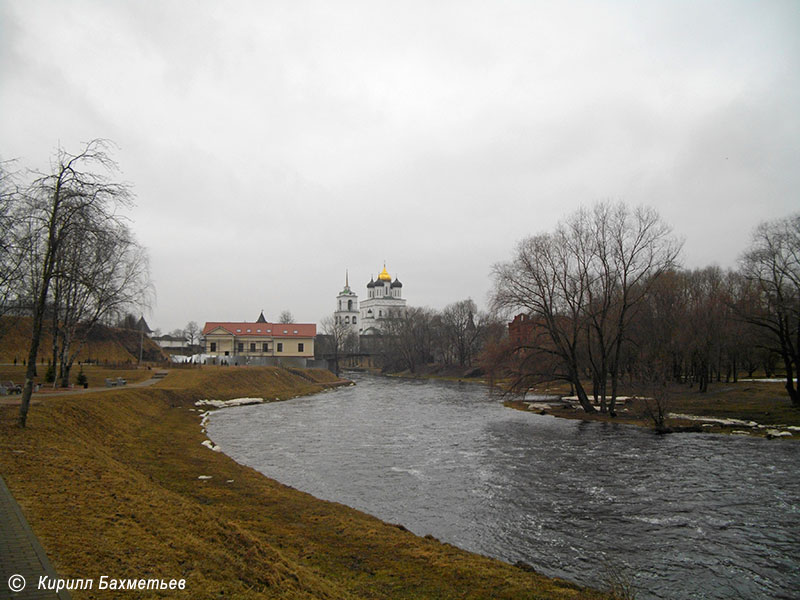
x=14, y=399
x=21, y=554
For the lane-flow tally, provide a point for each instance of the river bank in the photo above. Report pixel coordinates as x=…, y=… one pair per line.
x=750, y=407
x=754, y=408
x=120, y=484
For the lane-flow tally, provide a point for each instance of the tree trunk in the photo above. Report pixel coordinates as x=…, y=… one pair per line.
x=30, y=372
x=791, y=389
x=582, y=396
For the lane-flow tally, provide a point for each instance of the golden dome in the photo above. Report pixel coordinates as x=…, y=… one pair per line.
x=384, y=276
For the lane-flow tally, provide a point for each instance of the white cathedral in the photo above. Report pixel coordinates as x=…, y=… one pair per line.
x=384, y=301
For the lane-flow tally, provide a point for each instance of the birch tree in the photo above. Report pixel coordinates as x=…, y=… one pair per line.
x=101, y=272
x=55, y=209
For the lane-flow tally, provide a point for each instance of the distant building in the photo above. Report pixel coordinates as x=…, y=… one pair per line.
x=141, y=325
x=346, y=312
x=384, y=301
x=521, y=330
x=171, y=342
x=260, y=342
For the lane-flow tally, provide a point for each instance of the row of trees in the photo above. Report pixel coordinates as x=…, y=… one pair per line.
x=454, y=336
x=68, y=258
x=606, y=299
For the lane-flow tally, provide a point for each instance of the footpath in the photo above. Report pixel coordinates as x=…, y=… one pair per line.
x=22, y=559
x=37, y=397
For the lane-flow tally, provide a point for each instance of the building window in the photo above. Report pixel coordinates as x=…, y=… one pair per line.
x=300, y=347
x=280, y=346
x=355, y=320
x=347, y=320
x=252, y=347
x=380, y=313
x=213, y=346
x=349, y=305
x=240, y=347
x=265, y=347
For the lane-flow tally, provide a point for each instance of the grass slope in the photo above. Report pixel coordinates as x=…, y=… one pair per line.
x=110, y=485
x=105, y=344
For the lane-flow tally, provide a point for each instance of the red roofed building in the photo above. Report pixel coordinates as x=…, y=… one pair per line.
x=260, y=342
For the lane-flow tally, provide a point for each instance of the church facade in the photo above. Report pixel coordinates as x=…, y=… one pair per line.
x=384, y=301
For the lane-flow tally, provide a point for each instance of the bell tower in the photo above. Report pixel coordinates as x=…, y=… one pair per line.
x=347, y=312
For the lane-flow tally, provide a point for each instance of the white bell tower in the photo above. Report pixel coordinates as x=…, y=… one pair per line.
x=347, y=312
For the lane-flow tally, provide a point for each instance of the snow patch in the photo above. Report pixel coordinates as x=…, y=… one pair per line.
x=777, y=433
x=211, y=445
x=227, y=403
x=731, y=422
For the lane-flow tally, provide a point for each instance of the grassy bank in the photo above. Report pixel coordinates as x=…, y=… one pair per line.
x=109, y=482
x=765, y=403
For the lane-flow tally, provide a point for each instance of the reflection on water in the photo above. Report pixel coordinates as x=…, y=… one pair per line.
x=687, y=515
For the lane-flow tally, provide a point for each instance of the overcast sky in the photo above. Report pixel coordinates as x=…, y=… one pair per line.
x=272, y=145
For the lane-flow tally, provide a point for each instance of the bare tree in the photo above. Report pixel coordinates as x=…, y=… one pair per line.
x=772, y=266
x=624, y=251
x=581, y=285
x=192, y=332
x=336, y=340
x=461, y=329
x=285, y=317
x=11, y=253
x=407, y=340
x=55, y=209
x=101, y=271
x=544, y=280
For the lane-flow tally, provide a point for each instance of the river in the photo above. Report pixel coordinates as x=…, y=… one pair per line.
x=683, y=515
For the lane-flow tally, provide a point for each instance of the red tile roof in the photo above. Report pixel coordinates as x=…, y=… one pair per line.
x=278, y=330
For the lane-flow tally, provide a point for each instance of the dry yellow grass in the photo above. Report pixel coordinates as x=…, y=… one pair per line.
x=110, y=484
x=105, y=344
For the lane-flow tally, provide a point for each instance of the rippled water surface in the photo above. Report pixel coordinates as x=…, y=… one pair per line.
x=691, y=515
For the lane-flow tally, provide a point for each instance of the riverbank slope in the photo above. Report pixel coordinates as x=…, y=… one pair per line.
x=758, y=408
x=119, y=484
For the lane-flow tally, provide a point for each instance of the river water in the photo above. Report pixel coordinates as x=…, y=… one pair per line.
x=683, y=516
